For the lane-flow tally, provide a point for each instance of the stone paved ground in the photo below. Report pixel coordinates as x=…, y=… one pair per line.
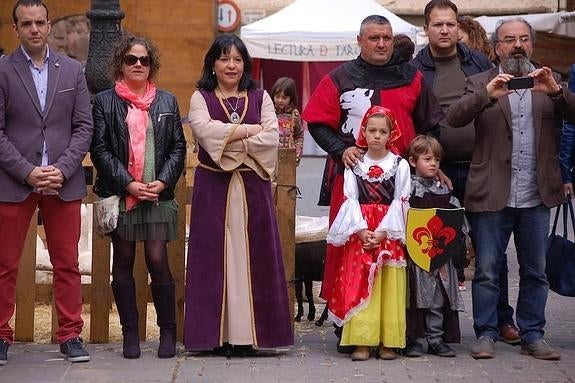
x=312, y=359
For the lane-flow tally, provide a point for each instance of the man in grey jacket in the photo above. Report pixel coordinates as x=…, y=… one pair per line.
x=513, y=182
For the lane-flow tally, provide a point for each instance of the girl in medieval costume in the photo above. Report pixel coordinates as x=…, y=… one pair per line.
x=369, y=295
x=236, y=292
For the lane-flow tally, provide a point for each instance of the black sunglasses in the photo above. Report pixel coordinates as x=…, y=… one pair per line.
x=132, y=60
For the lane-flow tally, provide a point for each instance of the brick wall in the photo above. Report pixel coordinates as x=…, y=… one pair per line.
x=182, y=30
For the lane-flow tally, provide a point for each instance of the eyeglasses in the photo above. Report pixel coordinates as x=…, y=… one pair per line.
x=132, y=60
x=513, y=40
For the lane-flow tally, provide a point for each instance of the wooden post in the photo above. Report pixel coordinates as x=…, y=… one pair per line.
x=101, y=297
x=177, y=255
x=286, y=191
x=25, y=293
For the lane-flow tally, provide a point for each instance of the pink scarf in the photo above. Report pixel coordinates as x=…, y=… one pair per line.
x=137, y=120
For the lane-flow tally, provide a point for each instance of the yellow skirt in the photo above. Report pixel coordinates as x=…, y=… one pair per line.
x=383, y=320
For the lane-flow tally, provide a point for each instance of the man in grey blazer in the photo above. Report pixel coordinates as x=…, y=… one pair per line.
x=45, y=132
x=513, y=181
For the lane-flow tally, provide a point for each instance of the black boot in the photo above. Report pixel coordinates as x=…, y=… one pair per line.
x=165, y=303
x=125, y=295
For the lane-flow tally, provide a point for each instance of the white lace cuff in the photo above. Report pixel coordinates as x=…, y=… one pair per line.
x=348, y=222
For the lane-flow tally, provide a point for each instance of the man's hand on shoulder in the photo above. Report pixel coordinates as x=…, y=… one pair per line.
x=443, y=179
x=351, y=156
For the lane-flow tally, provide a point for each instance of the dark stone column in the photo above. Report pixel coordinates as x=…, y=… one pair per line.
x=105, y=18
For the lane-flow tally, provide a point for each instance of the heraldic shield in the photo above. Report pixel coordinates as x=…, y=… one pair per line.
x=433, y=236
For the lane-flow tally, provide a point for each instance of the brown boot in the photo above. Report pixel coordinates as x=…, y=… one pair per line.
x=361, y=353
x=385, y=353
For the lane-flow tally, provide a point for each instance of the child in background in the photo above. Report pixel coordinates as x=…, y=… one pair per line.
x=369, y=295
x=403, y=45
x=290, y=126
x=434, y=303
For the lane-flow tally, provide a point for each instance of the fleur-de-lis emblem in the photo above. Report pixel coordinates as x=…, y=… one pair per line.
x=434, y=237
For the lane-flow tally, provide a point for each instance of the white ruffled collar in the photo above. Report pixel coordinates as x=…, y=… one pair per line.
x=387, y=164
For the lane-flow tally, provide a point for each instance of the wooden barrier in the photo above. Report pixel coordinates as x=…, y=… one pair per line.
x=285, y=193
x=98, y=293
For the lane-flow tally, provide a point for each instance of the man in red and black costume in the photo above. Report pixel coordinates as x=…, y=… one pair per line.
x=334, y=112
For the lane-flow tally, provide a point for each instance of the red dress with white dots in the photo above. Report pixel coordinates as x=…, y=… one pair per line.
x=376, y=202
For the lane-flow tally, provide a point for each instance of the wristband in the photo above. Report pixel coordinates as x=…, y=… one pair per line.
x=557, y=94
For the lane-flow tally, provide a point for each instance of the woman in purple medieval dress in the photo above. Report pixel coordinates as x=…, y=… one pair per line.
x=236, y=293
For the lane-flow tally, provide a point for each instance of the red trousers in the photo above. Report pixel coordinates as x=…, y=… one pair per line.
x=61, y=221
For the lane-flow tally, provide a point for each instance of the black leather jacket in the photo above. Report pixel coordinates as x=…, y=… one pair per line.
x=110, y=149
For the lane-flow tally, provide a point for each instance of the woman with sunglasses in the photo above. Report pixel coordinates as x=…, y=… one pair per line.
x=236, y=292
x=138, y=150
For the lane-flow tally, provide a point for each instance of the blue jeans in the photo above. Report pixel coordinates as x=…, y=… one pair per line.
x=504, y=309
x=491, y=232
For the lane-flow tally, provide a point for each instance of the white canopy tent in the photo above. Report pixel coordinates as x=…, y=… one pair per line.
x=308, y=38
x=316, y=30
x=559, y=23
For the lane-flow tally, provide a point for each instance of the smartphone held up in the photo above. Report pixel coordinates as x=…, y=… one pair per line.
x=520, y=83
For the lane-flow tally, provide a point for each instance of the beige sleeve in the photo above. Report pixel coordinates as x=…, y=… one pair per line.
x=263, y=148
x=213, y=135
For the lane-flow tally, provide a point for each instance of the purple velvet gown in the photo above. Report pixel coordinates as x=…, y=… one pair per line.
x=206, y=287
